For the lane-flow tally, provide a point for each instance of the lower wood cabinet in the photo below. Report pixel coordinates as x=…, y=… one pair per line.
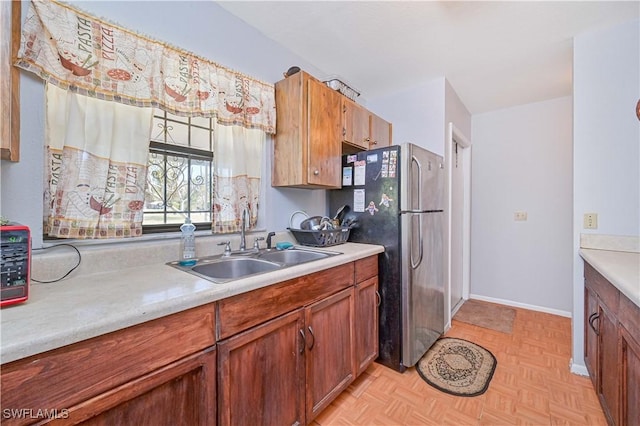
x=612, y=351
x=367, y=301
x=273, y=356
x=164, y=364
x=329, y=337
x=630, y=376
x=302, y=342
x=180, y=393
x=261, y=374
x=286, y=371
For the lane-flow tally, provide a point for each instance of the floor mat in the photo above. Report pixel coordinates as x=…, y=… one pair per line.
x=457, y=367
x=487, y=315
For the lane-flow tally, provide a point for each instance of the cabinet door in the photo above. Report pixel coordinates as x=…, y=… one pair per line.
x=366, y=326
x=630, y=409
x=182, y=393
x=608, y=381
x=590, y=336
x=330, y=350
x=380, y=132
x=355, y=124
x=261, y=374
x=323, y=135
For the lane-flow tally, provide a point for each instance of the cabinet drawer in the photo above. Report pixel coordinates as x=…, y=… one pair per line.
x=246, y=310
x=66, y=376
x=607, y=293
x=366, y=268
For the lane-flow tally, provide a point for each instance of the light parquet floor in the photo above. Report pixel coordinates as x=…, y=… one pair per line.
x=532, y=385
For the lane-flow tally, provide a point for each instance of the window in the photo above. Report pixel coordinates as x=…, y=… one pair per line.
x=180, y=173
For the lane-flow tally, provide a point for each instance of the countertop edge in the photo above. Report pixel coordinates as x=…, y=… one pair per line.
x=18, y=343
x=621, y=269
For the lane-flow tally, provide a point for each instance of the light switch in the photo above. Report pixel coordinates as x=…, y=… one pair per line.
x=590, y=221
x=520, y=216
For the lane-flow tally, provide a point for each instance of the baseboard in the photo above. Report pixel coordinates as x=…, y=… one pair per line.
x=558, y=312
x=578, y=368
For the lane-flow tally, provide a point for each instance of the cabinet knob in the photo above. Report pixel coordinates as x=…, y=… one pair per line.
x=316, y=172
x=374, y=143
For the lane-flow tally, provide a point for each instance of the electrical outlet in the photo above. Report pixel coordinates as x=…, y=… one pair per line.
x=520, y=216
x=590, y=221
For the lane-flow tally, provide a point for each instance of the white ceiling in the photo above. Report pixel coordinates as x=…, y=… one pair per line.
x=494, y=54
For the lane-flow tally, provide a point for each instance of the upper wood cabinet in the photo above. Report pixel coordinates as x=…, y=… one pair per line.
x=380, y=135
x=362, y=130
x=307, y=150
x=355, y=124
x=315, y=126
x=9, y=80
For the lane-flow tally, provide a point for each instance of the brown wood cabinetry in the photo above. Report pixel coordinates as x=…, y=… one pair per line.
x=355, y=125
x=590, y=336
x=275, y=355
x=177, y=394
x=380, y=133
x=630, y=377
x=10, y=18
x=362, y=129
x=261, y=374
x=315, y=126
x=127, y=369
x=284, y=360
x=329, y=328
x=612, y=354
x=307, y=149
x=367, y=302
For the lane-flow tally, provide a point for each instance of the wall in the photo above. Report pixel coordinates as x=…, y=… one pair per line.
x=522, y=161
x=417, y=114
x=201, y=27
x=606, y=154
x=456, y=112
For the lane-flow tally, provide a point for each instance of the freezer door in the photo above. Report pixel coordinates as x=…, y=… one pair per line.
x=422, y=181
x=422, y=283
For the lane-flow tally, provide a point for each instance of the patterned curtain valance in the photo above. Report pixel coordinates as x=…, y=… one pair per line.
x=80, y=52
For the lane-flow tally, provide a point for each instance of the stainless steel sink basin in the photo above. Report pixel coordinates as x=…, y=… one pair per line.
x=221, y=269
x=293, y=256
x=230, y=268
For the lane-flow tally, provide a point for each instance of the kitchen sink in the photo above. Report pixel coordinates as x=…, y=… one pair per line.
x=225, y=268
x=293, y=257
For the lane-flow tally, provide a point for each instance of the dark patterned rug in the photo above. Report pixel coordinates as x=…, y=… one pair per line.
x=457, y=367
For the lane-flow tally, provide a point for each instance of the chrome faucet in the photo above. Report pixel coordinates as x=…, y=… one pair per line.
x=243, y=241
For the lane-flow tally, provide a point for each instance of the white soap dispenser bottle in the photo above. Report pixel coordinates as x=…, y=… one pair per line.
x=188, y=243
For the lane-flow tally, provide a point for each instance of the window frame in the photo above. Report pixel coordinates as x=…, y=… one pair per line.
x=183, y=151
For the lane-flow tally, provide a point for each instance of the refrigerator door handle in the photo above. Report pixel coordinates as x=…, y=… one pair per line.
x=414, y=159
x=415, y=264
x=420, y=211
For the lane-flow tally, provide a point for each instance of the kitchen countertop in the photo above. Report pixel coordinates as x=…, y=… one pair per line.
x=621, y=268
x=90, y=305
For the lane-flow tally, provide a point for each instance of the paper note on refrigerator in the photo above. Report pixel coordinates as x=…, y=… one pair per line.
x=347, y=176
x=360, y=172
x=358, y=200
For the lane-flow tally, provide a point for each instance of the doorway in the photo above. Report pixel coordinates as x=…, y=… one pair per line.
x=458, y=154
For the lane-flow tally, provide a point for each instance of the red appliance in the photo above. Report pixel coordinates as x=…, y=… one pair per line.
x=15, y=266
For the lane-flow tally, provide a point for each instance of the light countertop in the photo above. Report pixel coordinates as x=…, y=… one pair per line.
x=90, y=305
x=621, y=268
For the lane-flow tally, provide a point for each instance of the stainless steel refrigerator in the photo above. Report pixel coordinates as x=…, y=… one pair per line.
x=395, y=199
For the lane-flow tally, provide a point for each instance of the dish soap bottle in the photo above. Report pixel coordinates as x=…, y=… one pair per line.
x=188, y=243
